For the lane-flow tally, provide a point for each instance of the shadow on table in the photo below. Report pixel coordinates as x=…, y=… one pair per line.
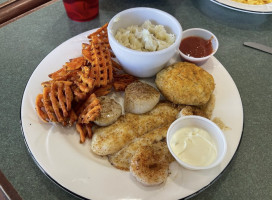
x=233, y=18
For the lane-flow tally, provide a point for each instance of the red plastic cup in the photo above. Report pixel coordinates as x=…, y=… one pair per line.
x=81, y=10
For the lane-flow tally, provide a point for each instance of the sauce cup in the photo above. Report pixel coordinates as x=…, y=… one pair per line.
x=201, y=123
x=202, y=33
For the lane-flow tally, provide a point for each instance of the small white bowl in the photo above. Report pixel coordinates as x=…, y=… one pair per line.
x=205, y=34
x=137, y=63
x=202, y=123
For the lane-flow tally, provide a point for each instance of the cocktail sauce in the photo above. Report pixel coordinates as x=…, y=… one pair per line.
x=196, y=47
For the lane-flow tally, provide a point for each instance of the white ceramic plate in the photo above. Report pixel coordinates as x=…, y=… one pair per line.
x=256, y=9
x=57, y=152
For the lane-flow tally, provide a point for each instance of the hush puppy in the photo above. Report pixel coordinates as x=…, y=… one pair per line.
x=185, y=83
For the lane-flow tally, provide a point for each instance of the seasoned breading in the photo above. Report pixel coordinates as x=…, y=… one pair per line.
x=122, y=158
x=140, y=97
x=185, y=83
x=150, y=164
x=108, y=140
x=110, y=112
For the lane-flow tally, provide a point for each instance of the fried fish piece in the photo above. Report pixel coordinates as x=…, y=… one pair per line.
x=108, y=140
x=185, y=83
x=122, y=158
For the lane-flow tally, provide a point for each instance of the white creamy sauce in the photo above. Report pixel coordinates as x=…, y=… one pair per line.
x=194, y=146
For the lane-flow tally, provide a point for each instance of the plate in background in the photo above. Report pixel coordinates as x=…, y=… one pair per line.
x=255, y=9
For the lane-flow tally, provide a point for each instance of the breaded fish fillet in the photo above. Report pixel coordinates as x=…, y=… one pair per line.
x=185, y=83
x=108, y=140
x=122, y=158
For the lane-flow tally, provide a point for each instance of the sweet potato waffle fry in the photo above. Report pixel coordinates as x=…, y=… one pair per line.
x=101, y=66
x=102, y=35
x=84, y=83
x=103, y=91
x=55, y=104
x=75, y=63
x=121, y=81
x=71, y=94
x=84, y=130
x=91, y=111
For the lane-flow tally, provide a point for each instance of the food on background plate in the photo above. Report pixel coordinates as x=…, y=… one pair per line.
x=150, y=164
x=71, y=94
x=254, y=2
x=110, y=139
x=196, y=47
x=147, y=37
x=110, y=112
x=185, y=83
x=140, y=97
x=122, y=158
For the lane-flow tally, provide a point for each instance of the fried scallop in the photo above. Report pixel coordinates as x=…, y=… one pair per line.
x=185, y=83
x=110, y=112
x=150, y=164
x=140, y=97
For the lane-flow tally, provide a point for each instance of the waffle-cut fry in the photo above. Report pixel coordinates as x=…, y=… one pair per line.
x=91, y=111
x=102, y=60
x=62, y=75
x=84, y=130
x=75, y=63
x=121, y=81
x=103, y=91
x=81, y=106
x=72, y=118
x=61, y=97
x=71, y=94
x=101, y=34
x=86, y=52
x=48, y=104
x=79, y=95
x=101, y=66
x=39, y=108
x=55, y=104
x=46, y=84
x=85, y=82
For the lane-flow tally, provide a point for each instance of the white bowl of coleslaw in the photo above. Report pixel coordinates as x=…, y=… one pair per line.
x=143, y=63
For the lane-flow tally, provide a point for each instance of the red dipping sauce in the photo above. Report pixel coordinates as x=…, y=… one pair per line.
x=196, y=47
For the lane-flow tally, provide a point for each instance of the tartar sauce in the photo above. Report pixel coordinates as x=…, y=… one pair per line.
x=194, y=146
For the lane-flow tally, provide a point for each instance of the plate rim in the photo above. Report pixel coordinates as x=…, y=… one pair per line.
x=82, y=197
x=241, y=9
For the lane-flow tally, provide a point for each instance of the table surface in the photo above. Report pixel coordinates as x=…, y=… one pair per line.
x=25, y=42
